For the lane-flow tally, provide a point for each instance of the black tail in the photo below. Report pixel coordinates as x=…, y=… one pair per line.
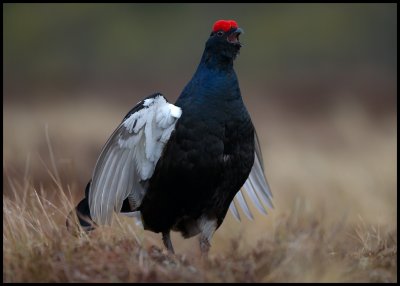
x=82, y=212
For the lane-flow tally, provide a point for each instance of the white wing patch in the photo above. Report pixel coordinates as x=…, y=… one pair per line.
x=256, y=187
x=129, y=157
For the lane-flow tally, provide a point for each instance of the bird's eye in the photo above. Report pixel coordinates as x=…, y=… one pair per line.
x=220, y=34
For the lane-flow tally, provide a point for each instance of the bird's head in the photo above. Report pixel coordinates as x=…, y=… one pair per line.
x=224, y=39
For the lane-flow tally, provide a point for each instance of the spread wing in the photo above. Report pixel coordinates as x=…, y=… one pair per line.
x=129, y=157
x=256, y=187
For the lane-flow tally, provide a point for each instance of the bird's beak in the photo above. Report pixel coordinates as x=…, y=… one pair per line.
x=239, y=31
x=233, y=38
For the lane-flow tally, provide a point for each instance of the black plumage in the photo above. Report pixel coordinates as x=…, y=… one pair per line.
x=204, y=162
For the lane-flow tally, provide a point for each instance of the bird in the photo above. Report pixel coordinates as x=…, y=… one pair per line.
x=180, y=167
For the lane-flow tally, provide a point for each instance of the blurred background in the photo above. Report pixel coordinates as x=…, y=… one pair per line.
x=319, y=80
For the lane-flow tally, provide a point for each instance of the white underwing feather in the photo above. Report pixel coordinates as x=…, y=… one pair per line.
x=129, y=157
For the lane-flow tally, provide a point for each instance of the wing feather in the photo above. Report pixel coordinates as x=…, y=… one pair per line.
x=129, y=157
x=234, y=210
x=256, y=186
x=254, y=198
x=243, y=205
x=123, y=183
x=106, y=193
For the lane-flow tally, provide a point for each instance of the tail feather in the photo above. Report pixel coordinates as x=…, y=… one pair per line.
x=81, y=214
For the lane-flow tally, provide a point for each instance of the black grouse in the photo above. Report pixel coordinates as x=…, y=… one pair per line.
x=179, y=167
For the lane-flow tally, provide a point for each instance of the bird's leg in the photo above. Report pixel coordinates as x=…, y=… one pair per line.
x=167, y=242
x=207, y=229
x=204, y=245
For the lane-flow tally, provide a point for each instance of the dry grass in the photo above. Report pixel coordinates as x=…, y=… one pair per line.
x=334, y=185
x=37, y=248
